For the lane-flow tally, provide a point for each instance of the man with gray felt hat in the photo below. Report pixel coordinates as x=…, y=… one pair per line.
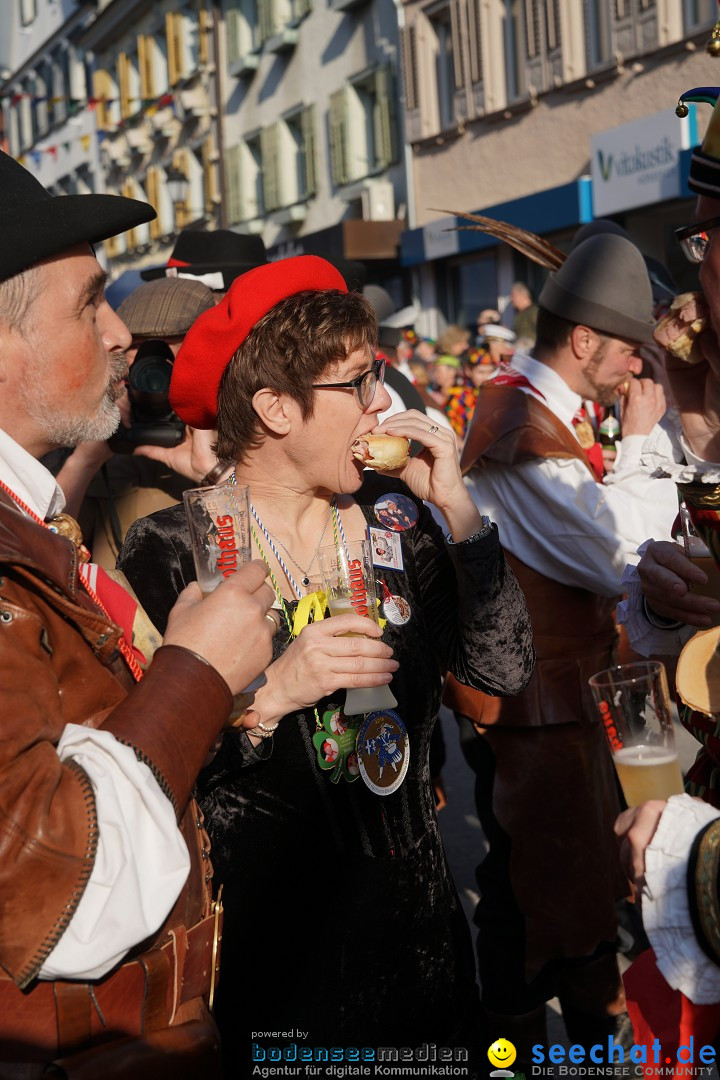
x=546, y=791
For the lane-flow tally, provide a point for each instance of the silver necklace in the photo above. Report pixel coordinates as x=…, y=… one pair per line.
x=306, y=573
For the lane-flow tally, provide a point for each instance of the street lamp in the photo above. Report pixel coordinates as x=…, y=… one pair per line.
x=178, y=187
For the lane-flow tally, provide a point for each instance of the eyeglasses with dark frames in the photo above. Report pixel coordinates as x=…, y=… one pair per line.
x=364, y=385
x=694, y=239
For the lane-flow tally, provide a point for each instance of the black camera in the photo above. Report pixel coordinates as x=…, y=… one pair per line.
x=153, y=423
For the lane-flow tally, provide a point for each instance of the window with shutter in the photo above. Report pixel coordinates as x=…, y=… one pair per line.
x=103, y=92
x=338, y=129
x=252, y=178
x=458, y=56
x=410, y=73
x=269, y=154
x=532, y=29
x=476, y=63
x=28, y=12
x=266, y=19
x=597, y=32
x=171, y=45
x=307, y=122
x=552, y=24
x=183, y=214
x=385, y=119
x=235, y=50
x=233, y=185
x=204, y=36
x=208, y=157
x=146, y=63
x=123, y=76
x=152, y=188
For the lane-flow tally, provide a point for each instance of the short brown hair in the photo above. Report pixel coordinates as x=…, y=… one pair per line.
x=452, y=335
x=552, y=333
x=288, y=350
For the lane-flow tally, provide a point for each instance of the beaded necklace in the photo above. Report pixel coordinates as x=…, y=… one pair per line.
x=123, y=646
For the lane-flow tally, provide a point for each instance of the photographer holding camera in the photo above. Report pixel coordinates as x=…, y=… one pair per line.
x=153, y=457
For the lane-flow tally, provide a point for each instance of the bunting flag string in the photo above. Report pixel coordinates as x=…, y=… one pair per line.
x=37, y=152
x=149, y=107
x=76, y=104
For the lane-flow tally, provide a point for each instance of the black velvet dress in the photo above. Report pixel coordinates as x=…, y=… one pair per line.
x=342, y=921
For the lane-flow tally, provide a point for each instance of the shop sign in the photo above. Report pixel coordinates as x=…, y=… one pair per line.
x=638, y=164
x=438, y=241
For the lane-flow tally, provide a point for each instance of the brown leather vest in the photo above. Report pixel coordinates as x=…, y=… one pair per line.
x=573, y=628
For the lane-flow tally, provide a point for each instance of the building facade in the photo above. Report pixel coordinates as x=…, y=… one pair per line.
x=507, y=103
x=45, y=85
x=277, y=117
x=313, y=143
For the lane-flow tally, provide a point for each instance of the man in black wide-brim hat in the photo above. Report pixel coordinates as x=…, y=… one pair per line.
x=101, y=847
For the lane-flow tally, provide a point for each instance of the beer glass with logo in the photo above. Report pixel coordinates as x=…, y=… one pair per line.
x=349, y=583
x=634, y=706
x=219, y=522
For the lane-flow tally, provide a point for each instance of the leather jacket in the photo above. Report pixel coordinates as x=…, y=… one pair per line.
x=60, y=665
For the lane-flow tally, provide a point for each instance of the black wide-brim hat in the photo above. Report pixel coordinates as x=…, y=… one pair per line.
x=35, y=225
x=199, y=252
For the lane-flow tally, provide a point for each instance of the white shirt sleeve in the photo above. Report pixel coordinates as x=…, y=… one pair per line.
x=645, y=638
x=558, y=520
x=141, y=863
x=665, y=911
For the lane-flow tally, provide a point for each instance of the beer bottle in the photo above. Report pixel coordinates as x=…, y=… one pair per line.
x=609, y=431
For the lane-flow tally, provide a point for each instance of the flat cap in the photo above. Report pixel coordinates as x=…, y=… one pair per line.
x=166, y=307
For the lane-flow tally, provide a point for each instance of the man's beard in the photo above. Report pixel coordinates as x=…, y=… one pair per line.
x=67, y=429
x=602, y=393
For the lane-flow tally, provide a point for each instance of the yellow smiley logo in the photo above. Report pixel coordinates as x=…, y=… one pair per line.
x=502, y=1053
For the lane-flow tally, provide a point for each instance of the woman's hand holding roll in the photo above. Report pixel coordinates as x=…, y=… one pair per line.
x=434, y=474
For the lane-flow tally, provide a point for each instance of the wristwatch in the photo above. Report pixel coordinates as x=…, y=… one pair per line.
x=479, y=535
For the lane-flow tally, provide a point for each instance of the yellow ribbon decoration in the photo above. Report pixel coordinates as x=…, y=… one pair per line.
x=313, y=604
x=311, y=608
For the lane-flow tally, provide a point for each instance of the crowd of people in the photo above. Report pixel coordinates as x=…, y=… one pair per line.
x=145, y=820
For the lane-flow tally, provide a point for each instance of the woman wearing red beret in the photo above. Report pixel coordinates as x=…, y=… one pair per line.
x=342, y=924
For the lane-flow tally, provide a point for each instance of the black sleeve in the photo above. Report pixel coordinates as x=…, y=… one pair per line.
x=475, y=609
x=157, y=561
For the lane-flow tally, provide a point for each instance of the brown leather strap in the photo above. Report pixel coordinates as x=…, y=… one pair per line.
x=141, y=996
x=510, y=426
x=156, y=964
x=73, y=1008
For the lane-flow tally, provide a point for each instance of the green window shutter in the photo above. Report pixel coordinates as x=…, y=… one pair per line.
x=266, y=19
x=385, y=118
x=338, y=137
x=457, y=45
x=233, y=184
x=409, y=55
x=269, y=151
x=232, y=33
x=307, y=120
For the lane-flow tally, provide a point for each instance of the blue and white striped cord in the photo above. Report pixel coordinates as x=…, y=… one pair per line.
x=276, y=553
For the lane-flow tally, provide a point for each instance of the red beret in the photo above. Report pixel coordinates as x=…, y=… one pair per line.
x=215, y=336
